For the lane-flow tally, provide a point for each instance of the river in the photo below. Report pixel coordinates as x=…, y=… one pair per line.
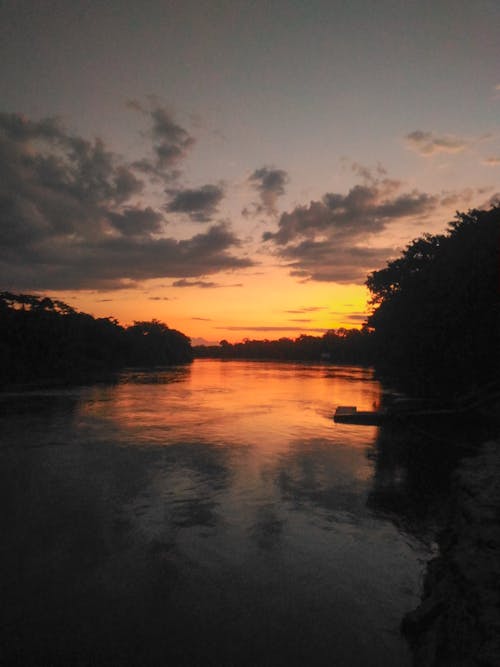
x=212, y=514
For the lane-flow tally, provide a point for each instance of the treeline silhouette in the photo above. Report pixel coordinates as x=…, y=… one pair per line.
x=44, y=339
x=436, y=319
x=338, y=345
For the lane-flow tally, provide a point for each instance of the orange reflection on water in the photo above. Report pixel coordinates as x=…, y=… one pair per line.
x=265, y=405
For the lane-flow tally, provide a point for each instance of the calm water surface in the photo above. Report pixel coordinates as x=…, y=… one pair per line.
x=207, y=515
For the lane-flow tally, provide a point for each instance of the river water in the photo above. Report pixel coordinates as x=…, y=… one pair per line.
x=207, y=515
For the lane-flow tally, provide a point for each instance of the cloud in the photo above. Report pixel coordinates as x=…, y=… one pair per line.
x=428, y=143
x=265, y=328
x=136, y=221
x=329, y=239
x=270, y=184
x=356, y=317
x=158, y=298
x=199, y=204
x=305, y=309
x=71, y=216
x=493, y=161
x=202, y=283
x=171, y=143
x=194, y=283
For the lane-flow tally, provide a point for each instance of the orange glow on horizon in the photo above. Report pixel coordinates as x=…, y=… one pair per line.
x=266, y=306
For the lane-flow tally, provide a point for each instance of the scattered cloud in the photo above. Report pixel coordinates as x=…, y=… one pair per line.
x=170, y=143
x=202, y=283
x=158, y=298
x=200, y=204
x=329, y=239
x=356, y=317
x=493, y=161
x=300, y=319
x=265, y=328
x=428, y=143
x=72, y=218
x=194, y=283
x=270, y=184
x=202, y=319
x=305, y=309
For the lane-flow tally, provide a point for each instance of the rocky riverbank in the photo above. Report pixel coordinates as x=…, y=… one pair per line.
x=458, y=622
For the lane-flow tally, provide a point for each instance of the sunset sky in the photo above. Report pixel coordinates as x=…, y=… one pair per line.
x=236, y=168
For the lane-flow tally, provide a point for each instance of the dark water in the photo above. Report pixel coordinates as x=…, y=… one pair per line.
x=209, y=515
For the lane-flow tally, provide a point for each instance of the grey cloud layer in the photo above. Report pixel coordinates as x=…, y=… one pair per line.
x=327, y=240
x=71, y=214
x=200, y=204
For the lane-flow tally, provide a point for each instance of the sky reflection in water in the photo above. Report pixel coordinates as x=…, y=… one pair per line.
x=213, y=514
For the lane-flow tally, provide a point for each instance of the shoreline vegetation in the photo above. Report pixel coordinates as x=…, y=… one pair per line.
x=434, y=332
x=45, y=341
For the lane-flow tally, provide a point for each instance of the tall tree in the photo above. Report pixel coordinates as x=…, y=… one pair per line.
x=437, y=307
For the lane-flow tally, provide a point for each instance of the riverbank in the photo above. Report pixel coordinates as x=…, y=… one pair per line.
x=457, y=623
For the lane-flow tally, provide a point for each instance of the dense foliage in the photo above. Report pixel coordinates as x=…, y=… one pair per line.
x=437, y=307
x=338, y=345
x=42, y=338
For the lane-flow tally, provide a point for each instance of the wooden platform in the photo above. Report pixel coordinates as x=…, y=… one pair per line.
x=348, y=414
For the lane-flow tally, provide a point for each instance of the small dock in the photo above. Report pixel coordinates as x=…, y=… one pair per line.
x=349, y=414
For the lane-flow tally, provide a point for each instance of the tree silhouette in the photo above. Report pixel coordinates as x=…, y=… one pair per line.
x=44, y=339
x=436, y=316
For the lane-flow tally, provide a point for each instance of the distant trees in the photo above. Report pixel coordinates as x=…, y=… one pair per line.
x=437, y=307
x=42, y=338
x=339, y=345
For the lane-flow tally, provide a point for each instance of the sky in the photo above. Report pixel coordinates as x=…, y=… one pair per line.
x=236, y=169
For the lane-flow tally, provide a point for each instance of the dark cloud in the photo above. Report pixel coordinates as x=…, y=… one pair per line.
x=356, y=317
x=136, y=221
x=202, y=283
x=200, y=204
x=328, y=262
x=170, y=143
x=270, y=184
x=349, y=317
x=493, y=161
x=428, y=143
x=70, y=216
x=328, y=240
x=195, y=283
x=158, y=298
x=300, y=319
